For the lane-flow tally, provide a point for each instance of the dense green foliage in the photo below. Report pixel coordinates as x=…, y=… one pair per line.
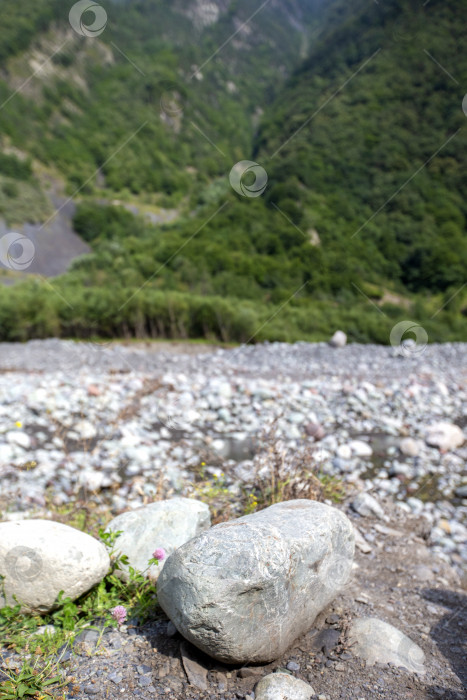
x=366, y=198
x=129, y=102
x=11, y=166
x=116, y=306
x=381, y=163
x=21, y=21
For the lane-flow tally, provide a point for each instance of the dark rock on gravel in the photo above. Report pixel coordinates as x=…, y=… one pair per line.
x=196, y=672
x=91, y=690
x=326, y=640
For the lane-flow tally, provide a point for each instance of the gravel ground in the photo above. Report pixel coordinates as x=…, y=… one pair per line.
x=270, y=360
x=118, y=424
x=124, y=423
x=399, y=580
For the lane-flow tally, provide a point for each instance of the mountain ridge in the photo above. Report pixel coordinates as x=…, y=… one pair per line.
x=362, y=206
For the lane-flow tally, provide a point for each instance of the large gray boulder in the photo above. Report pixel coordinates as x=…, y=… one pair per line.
x=40, y=558
x=379, y=642
x=164, y=524
x=245, y=590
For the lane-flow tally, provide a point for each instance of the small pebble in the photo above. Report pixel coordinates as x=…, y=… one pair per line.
x=143, y=669
x=91, y=690
x=115, y=677
x=293, y=666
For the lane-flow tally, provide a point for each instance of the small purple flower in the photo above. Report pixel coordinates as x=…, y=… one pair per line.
x=159, y=554
x=119, y=614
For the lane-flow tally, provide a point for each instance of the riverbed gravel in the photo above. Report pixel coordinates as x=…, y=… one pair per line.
x=120, y=423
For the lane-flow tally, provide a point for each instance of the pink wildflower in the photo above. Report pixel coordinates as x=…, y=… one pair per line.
x=119, y=614
x=159, y=554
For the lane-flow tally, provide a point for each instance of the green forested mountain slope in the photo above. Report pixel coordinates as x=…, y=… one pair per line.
x=95, y=93
x=363, y=148
x=399, y=120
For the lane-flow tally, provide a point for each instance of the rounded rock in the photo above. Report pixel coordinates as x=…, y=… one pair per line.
x=338, y=340
x=19, y=438
x=360, y=448
x=410, y=447
x=282, y=685
x=444, y=436
x=344, y=452
x=246, y=589
x=379, y=642
x=168, y=524
x=365, y=505
x=315, y=430
x=40, y=558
